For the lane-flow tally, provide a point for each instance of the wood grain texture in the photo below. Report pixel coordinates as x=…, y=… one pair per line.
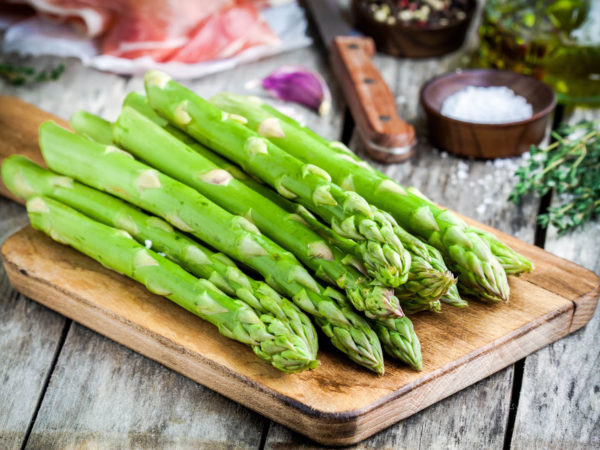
x=19, y=121
x=29, y=335
x=463, y=348
x=475, y=417
x=102, y=93
x=559, y=404
x=128, y=401
x=448, y=424
x=466, y=424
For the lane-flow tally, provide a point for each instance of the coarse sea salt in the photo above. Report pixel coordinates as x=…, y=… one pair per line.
x=493, y=104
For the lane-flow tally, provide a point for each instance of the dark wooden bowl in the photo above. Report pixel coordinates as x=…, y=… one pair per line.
x=412, y=41
x=486, y=140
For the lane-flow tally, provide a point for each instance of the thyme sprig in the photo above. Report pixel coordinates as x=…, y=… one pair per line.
x=18, y=75
x=571, y=167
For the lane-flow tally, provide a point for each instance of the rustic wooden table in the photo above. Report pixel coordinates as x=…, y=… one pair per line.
x=62, y=385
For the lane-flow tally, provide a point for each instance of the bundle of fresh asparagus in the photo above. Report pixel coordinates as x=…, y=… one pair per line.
x=381, y=249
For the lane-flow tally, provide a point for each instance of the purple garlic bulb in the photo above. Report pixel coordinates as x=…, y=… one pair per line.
x=299, y=85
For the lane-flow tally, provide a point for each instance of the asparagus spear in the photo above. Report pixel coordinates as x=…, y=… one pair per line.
x=92, y=126
x=25, y=179
x=149, y=142
x=115, y=249
x=393, y=333
x=240, y=199
x=347, y=212
x=452, y=297
x=466, y=252
x=512, y=262
x=115, y=171
x=405, y=347
x=428, y=277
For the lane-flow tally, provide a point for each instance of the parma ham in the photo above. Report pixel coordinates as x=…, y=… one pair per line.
x=187, y=31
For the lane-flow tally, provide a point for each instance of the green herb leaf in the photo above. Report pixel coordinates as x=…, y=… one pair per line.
x=21, y=75
x=571, y=167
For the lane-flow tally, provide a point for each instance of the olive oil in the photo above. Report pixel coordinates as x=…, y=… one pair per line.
x=556, y=41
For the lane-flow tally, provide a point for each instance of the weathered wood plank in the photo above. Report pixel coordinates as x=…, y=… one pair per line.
x=82, y=383
x=447, y=424
x=483, y=341
x=104, y=396
x=29, y=335
x=475, y=417
x=559, y=404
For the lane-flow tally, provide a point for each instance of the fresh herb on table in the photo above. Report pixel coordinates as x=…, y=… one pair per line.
x=570, y=166
x=20, y=75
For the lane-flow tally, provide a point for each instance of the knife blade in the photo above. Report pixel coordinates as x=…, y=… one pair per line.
x=386, y=136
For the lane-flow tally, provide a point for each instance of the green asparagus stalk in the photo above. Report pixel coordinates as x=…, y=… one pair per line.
x=239, y=199
x=92, y=126
x=115, y=249
x=163, y=151
x=160, y=149
x=400, y=346
x=113, y=170
x=25, y=179
x=428, y=277
x=481, y=273
x=347, y=212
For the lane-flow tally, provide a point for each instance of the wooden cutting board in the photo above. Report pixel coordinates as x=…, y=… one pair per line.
x=338, y=403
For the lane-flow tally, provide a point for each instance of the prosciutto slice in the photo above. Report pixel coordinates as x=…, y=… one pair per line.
x=91, y=18
x=227, y=33
x=166, y=30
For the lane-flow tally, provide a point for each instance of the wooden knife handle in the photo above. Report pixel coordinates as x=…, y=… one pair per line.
x=387, y=137
x=19, y=124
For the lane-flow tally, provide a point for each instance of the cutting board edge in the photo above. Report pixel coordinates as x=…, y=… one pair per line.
x=26, y=284
x=464, y=373
x=585, y=307
x=339, y=428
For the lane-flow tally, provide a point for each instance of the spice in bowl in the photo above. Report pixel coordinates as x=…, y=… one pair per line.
x=414, y=28
x=493, y=104
x=423, y=13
